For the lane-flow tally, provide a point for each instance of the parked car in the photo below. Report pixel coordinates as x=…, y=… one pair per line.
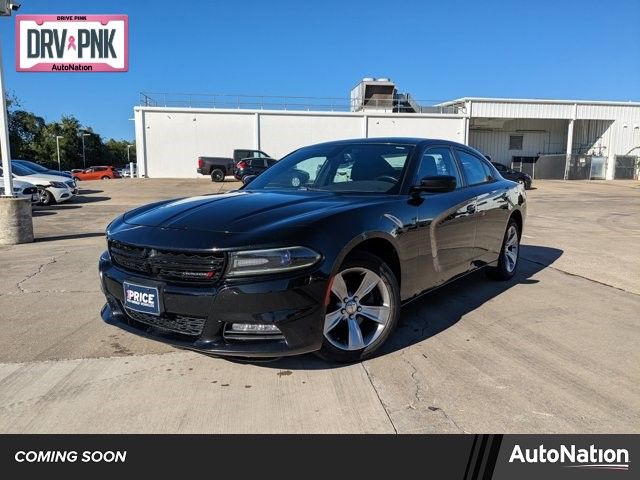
x=22, y=190
x=51, y=188
x=273, y=269
x=97, y=173
x=513, y=175
x=252, y=166
x=219, y=167
x=36, y=167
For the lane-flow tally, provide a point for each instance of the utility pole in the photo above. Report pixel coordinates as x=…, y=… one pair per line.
x=84, y=158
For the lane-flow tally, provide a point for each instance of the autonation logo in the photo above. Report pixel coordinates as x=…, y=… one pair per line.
x=573, y=457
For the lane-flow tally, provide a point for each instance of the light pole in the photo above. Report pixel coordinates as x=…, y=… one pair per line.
x=6, y=9
x=58, y=137
x=84, y=158
x=16, y=222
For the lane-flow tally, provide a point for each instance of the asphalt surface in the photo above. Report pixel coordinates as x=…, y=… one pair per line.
x=553, y=350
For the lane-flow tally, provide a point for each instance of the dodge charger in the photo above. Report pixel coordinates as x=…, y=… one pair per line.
x=285, y=266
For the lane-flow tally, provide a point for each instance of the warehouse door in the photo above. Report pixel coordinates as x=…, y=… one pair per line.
x=625, y=167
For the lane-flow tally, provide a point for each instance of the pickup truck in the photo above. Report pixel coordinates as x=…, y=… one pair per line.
x=219, y=167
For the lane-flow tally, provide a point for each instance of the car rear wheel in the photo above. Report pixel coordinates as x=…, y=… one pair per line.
x=217, y=175
x=363, y=309
x=46, y=197
x=105, y=178
x=509, y=255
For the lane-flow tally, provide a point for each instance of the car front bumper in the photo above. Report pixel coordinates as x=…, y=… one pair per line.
x=294, y=304
x=61, y=194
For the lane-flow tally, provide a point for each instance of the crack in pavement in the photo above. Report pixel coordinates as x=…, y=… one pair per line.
x=420, y=399
x=382, y=404
x=38, y=272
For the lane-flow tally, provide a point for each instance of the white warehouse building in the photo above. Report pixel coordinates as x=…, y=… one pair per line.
x=547, y=138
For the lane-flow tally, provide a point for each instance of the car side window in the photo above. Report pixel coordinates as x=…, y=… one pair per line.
x=438, y=161
x=475, y=169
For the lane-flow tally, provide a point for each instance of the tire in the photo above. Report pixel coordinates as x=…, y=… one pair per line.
x=105, y=178
x=217, y=175
x=350, y=336
x=507, y=263
x=77, y=179
x=46, y=197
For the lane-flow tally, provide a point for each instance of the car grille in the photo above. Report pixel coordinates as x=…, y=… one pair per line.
x=174, y=323
x=192, y=267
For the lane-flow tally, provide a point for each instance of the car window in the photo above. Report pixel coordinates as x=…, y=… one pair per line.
x=21, y=170
x=475, y=169
x=436, y=162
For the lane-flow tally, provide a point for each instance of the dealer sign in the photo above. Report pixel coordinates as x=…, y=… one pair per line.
x=72, y=43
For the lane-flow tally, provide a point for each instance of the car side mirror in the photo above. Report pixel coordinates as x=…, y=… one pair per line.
x=438, y=184
x=248, y=179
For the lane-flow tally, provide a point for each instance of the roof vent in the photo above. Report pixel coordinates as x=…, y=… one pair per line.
x=384, y=79
x=368, y=79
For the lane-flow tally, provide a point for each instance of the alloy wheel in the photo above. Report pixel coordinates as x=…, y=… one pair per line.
x=359, y=309
x=511, y=249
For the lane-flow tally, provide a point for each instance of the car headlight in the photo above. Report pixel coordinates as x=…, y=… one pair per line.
x=273, y=260
x=58, y=185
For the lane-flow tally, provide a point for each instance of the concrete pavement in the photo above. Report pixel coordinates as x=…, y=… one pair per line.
x=554, y=350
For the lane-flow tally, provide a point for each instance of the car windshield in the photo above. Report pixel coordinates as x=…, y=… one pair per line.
x=347, y=167
x=31, y=166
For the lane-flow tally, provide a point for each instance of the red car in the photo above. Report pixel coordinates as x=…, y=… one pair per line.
x=97, y=173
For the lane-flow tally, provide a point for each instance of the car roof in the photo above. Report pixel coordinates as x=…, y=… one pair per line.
x=396, y=140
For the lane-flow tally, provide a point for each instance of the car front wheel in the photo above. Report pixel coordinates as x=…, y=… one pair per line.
x=46, y=197
x=509, y=255
x=363, y=309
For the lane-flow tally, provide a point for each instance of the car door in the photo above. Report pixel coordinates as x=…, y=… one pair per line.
x=447, y=219
x=492, y=205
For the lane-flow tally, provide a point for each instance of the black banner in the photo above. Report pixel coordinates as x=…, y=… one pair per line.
x=466, y=457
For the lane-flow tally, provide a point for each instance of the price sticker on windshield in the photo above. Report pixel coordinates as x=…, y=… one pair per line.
x=72, y=43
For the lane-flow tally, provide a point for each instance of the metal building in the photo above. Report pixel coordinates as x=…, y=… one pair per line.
x=547, y=138
x=569, y=138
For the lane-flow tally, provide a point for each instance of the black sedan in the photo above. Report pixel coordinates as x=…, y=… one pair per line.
x=252, y=166
x=511, y=174
x=275, y=269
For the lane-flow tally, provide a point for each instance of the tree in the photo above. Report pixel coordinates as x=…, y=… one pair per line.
x=32, y=138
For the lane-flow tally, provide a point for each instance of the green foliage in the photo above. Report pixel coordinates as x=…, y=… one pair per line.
x=32, y=138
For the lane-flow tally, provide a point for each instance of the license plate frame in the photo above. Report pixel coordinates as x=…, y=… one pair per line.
x=142, y=302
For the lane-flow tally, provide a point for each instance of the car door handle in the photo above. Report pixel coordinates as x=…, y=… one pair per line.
x=471, y=208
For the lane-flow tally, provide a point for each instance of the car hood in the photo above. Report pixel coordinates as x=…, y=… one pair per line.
x=41, y=179
x=244, y=211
